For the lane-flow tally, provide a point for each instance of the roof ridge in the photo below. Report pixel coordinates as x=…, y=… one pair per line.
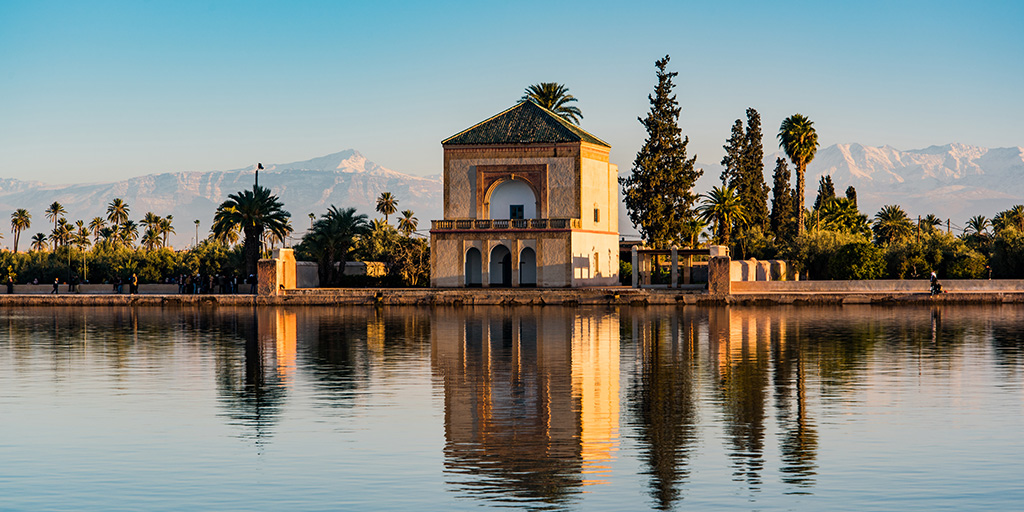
x=525, y=122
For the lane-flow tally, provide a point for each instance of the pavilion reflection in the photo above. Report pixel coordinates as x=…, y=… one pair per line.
x=531, y=401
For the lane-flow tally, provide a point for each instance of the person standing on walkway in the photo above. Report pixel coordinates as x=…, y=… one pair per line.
x=133, y=284
x=56, y=284
x=10, y=285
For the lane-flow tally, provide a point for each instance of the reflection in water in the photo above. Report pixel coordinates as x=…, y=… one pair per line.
x=743, y=375
x=662, y=399
x=727, y=406
x=531, y=402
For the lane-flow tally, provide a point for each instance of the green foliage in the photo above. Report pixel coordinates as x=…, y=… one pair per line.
x=625, y=272
x=858, y=260
x=1008, y=254
x=891, y=225
x=799, y=140
x=658, y=192
x=330, y=240
x=253, y=212
x=826, y=191
x=744, y=170
x=723, y=207
x=811, y=252
x=783, y=221
x=554, y=97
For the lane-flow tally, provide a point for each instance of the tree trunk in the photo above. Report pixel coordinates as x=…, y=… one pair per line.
x=799, y=200
x=252, y=250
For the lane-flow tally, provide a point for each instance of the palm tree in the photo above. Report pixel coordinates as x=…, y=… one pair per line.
x=407, y=224
x=95, y=225
x=128, y=232
x=150, y=221
x=151, y=239
x=841, y=214
x=1014, y=217
x=554, y=97
x=20, y=221
x=978, y=225
x=117, y=211
x=723, y=207
x=39, y=242
x=800, y=142
x=61, y=234
x=80, y=238
x=166, y=228
x=387, y=205
x=54, y=212
x=891, y=224
x=930, y=222
x=692, y=229
x=331, y=239
x=253, y=211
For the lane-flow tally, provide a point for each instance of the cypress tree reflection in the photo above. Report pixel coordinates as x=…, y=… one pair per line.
x=743, y=389
x=663, y=400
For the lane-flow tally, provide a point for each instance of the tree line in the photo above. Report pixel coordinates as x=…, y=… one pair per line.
x=246, y=226
x=831, y=240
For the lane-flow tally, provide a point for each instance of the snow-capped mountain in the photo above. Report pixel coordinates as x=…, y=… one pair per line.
x=954, y=181
x=345, y=179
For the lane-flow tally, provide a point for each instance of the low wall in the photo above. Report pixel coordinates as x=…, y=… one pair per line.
x=878, y=286
x=95, y=289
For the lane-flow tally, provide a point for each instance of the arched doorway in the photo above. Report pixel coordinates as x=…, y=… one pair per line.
x=501, y=266
x=528, y=268
x=513, y=199
x=474, y=268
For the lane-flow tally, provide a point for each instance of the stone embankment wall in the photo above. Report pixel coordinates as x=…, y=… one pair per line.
x=879, y=286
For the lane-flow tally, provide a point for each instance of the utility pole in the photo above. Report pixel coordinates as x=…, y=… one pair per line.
x=948, y=231
x=918, y=229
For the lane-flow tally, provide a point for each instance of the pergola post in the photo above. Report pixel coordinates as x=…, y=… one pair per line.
x=675, y=267
x=636, y=262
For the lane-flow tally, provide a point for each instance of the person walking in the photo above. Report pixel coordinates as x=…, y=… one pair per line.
x=56, y=285
x=133, y=284
x=10, y=285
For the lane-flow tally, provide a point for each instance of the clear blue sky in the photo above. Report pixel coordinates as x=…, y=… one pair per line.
x=100, y=91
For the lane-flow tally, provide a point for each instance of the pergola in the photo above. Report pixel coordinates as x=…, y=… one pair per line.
x=642, y=264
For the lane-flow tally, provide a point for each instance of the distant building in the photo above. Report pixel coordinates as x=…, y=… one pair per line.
x=529, y=200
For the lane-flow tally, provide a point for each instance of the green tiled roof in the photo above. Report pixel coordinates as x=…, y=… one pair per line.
x=525, y=123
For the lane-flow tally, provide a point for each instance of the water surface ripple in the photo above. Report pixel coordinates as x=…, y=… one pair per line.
x=847, y=408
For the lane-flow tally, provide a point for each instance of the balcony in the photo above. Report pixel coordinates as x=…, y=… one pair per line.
x=504, y=224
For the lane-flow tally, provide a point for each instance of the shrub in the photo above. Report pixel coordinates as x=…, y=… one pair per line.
x=859, y=260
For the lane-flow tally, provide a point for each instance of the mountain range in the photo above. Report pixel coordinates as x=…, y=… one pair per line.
x=954, y=181
x=345, y=179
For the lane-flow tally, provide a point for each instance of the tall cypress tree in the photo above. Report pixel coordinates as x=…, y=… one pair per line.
x=744, y=170
x=659, y=190
x=754, y=190
x=851, y=194
x=782, y=202
x=826, y=191
x=732, y=162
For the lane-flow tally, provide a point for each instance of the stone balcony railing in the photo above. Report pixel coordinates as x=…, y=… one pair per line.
x=503, y=224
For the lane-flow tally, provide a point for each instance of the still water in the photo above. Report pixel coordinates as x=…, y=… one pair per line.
x=852, y=408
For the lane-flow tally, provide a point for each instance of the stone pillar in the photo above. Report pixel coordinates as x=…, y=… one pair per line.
x=675, y=267
x=276, y=274
x=636, y=270
x=719, y=278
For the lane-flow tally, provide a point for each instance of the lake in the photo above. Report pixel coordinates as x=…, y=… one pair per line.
x=551, y=408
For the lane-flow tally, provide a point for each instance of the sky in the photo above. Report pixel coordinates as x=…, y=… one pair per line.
x=102, y=91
